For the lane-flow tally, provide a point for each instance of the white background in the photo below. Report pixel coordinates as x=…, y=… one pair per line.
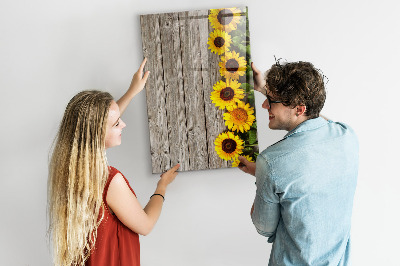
x=50, y=50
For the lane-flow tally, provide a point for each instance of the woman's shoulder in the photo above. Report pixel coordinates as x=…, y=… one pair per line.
x=117, y=178
x=113, y=171
x=112, y=174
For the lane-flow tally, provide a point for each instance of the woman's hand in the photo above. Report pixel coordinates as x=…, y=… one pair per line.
x=168, y=177
x=137, y=85
x=127, y=207
x=259, y=82
x=138, y=79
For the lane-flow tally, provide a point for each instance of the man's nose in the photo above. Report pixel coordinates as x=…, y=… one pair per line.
x=265, y=104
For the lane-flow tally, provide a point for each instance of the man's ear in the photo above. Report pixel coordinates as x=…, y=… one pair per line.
x=300, y=110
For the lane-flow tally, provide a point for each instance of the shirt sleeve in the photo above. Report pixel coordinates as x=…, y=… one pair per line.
x=266, y=212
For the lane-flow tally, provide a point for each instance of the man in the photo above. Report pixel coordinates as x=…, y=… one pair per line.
x=305, y=182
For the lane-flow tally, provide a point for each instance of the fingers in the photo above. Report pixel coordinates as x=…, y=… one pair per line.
x=172, y=170
x=258, y=80
x=142, y=65
x=243, y=164
x=243, y=160
x=254, y=68
x=146, y=75
x=243, y=168
x=176, y=167
x=169, y=176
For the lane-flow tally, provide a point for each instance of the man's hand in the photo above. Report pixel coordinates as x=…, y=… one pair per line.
x=246, y=166
x=259, y=82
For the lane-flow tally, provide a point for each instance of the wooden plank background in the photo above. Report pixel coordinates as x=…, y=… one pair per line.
x=183, y=122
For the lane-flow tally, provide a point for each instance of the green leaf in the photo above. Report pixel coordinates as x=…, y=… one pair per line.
x=237, y=40
x=246, y=86
x=249, y=77
x=249, y=69
x=252, y=136
x=242, y=49
x=248, y=49
x=248, y=150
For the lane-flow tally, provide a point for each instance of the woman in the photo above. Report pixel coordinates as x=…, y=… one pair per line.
x=95, y=217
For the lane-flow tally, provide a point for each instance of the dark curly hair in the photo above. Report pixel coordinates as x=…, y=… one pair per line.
x=298, y=83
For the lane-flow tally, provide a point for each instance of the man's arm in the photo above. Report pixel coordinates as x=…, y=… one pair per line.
x=265, y=217
x=265, y=212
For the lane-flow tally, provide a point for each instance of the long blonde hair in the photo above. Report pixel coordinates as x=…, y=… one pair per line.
x=78, y=171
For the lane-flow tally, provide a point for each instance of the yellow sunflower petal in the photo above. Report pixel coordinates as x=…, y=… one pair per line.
x=219, y=42
x=232, y=65
x=236, y=161
x=239, y=118
x=228, y=146
x=225, y=18
x=226, y=94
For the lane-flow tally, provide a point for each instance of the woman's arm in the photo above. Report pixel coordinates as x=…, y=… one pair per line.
x=137, y=85
x=127, y=208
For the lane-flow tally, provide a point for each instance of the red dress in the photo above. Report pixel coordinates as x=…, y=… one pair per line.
x=116, y=244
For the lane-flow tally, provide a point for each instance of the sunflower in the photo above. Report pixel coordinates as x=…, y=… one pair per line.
x=228, y=145
x=219, y=41
x=225, y=95
x=232, y=65
x=236, y=161
x=225, y=18
x=240, y=117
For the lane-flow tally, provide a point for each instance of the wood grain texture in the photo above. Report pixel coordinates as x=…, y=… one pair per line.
x=155, y=94
x=174, y=91
x=193, y=88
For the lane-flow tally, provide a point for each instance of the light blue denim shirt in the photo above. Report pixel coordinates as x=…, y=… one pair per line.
x=305, y=189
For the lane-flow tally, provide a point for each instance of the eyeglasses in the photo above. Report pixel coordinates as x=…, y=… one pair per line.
x=270, y=101
x=263, y=90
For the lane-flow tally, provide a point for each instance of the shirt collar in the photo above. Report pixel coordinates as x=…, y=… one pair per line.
x=307, y=125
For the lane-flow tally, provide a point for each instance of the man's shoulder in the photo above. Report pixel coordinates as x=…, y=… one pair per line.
x=276, y=150
x=342, y=130
x=300, y=140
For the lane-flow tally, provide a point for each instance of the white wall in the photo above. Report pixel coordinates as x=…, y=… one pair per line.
x=49, y=50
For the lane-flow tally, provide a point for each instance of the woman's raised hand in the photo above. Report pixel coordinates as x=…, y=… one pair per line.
x=138, y=79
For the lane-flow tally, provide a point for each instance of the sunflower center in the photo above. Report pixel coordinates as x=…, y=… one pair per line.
x=229, y=145
x=219, y=42
x=225, y=16
x=227, y=94
x=239, y=115
x=232, y=65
